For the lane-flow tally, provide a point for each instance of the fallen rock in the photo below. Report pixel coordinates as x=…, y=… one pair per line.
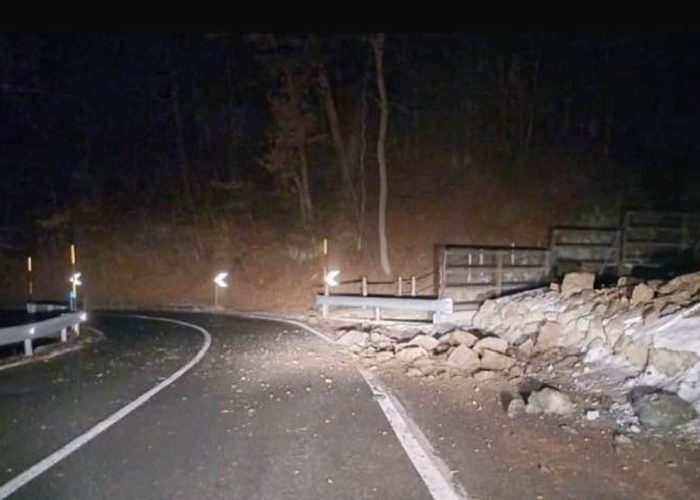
x=353, y=337
x=463, y=338
x=516, y=407
x=658, y=409
x=425, y=341
x=641, y=294
x=426, y=366
x=441, y=348
x=592, y=414
x=575, y=282
x=491, y=360
x=411, y=353
x=549, y=400
x=384, y=356
x=495, y=344
x=414, y=372
x=379, y=338
x=464, y=359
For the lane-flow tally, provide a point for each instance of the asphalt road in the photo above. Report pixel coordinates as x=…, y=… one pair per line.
x=271, y=411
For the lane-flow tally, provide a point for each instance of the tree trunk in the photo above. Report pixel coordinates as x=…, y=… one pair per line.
x=338, y=143
x=181, y=151
x=378, y=48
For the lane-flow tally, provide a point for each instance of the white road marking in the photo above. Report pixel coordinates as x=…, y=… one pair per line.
x=432, y=470
x=42, y=466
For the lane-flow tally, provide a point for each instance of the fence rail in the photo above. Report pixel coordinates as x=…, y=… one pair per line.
x=471, y=274
x=589, y=249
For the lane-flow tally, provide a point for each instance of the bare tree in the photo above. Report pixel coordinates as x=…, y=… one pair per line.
x=287, y=157
x=183, y=162
x=377, y=42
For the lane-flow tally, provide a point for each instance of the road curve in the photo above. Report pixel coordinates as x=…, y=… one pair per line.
x=269, y=412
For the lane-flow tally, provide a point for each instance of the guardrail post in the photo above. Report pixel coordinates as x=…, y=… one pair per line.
x=64, y=334
x=28, y=351
x=413, y=286
x=399, y=286
x=364, y=286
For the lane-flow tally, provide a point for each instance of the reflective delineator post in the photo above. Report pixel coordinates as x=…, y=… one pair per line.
x=399, y=286
x=326, y=288
x=364, y=286
x=74, y=294
x=326, y=292
x=413, y=286
x=219, y=282
x=30, y=279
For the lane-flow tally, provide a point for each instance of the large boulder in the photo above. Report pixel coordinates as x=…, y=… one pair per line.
x=491, y=360
x=463, y=338
x=464, y=359
x=661, y=409
x=492, y=344
x=425, y=341
x=353, y=337
x=549, y=400
x=411, y=353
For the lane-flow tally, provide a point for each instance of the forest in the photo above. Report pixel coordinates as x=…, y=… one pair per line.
x=165, y=158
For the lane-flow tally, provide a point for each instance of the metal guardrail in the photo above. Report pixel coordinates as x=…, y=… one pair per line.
x=52, y=327
x=436, y=306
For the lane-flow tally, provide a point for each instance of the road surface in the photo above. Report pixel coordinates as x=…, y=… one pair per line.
x=270, y=411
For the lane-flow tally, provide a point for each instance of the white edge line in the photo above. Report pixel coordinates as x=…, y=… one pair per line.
x=43, y=465
x=432, y=470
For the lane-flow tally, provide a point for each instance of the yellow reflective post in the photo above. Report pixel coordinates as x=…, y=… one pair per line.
x=29, y=277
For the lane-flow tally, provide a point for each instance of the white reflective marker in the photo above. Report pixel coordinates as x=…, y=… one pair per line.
x=75, y=279
x=220, y=280
x=331, y=278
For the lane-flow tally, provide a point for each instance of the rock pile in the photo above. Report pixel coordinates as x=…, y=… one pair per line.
x=651, y=330
x=433, y=351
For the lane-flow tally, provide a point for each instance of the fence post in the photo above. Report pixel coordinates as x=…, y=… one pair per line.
x=499, y=273
x=413, y=286
x=469, y=269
